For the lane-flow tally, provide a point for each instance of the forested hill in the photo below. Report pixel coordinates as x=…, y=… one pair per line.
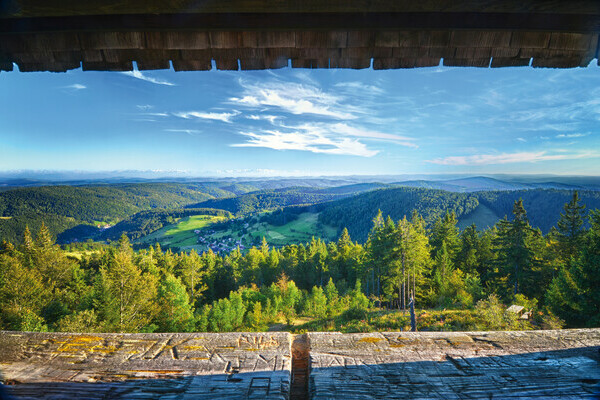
x=254, y=202
x=356, y=213
x=64, y=207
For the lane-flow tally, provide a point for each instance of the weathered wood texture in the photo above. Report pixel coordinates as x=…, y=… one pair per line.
x=44, y=8
x=148, y=366
x=194, y=50
x=456, y=365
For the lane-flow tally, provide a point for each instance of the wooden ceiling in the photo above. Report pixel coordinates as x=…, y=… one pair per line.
x=109, y=35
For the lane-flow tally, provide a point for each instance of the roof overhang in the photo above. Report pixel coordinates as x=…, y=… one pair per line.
x=58, y=35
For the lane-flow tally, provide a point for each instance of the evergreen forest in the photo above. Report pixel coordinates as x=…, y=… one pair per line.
x=457, y=279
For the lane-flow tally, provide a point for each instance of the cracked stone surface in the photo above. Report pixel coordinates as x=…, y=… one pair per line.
x=403, y=365
x=456, y=365
x=146, y=366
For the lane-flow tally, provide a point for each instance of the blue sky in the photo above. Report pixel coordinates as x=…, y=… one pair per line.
x=304, y=122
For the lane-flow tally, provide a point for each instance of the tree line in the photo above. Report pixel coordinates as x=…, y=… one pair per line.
x=114, y=288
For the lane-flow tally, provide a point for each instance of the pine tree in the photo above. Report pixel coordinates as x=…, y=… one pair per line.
x=515, y=254
x=175, y=311
x=574, y=294
x=570, y=228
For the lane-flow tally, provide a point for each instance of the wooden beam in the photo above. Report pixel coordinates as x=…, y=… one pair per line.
x=48, y=8
x=379, y=22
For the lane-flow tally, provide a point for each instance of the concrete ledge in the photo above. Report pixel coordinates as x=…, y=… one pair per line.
x=455, y=365
x=392, y=365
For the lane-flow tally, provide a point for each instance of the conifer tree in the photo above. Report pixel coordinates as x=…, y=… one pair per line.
x=570, y=228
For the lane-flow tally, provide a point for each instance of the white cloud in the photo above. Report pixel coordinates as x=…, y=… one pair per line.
x=144, y=107
x=520, y=139
x=507, y=158
x=224, y=116
x=294, y=98
x=76, y=86
x=270, y=118
x=300, y=140
x=139, y=75
x=571, y=135
x=337, y=129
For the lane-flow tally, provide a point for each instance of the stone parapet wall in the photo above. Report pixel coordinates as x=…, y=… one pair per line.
x=277, y=365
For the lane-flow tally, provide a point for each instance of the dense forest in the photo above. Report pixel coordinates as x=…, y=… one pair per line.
x=66, y=207
x=356, y=213
x=255, y=202
x=459, y=280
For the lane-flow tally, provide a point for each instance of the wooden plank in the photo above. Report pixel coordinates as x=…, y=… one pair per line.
x=479, y=38
x=473, y=52
x=365, y=52
x=530, y=39
x=92, y=56
x=20, y=8
x=249, y=64
x=351, y=63
x=312, y=53
x=49, y=67
x=387, y=39
x=111, y=40
x=225, y=40
x=405, y=62
x=318, y=22
x=337, y=39
x=276, y=39
x=442, y=52
x=67, y=56
x=105, y=66
x=467, y=62
x=361, y=39
x=308, y=39
x=509, y=62
x=505, y=52
x=227, y=64
x=410, y=52
x=192, y=65
x=177, y=40
x=39, y=57
x=560, y=62
x=571, y=41
x=301, y=63
x=144, y=65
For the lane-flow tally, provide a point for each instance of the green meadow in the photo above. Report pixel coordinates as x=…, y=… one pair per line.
x=181, y=234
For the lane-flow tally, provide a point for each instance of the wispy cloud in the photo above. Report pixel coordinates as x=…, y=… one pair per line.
x=360, y=87
x=294, y=98
x=191, y=132
x=144, y=107
x=318, y=137
x=75, y=86
x=270, y=118
x=303, y=141
x=341, y=129
x=571, y=135
x=508, y=158
x=139, y=75
x=520, y=139
x=224, y=116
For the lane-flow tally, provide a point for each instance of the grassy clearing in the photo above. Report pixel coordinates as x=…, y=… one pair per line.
x=181, y=234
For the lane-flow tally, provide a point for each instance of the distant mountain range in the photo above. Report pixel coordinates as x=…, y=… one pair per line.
x=482, y=183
